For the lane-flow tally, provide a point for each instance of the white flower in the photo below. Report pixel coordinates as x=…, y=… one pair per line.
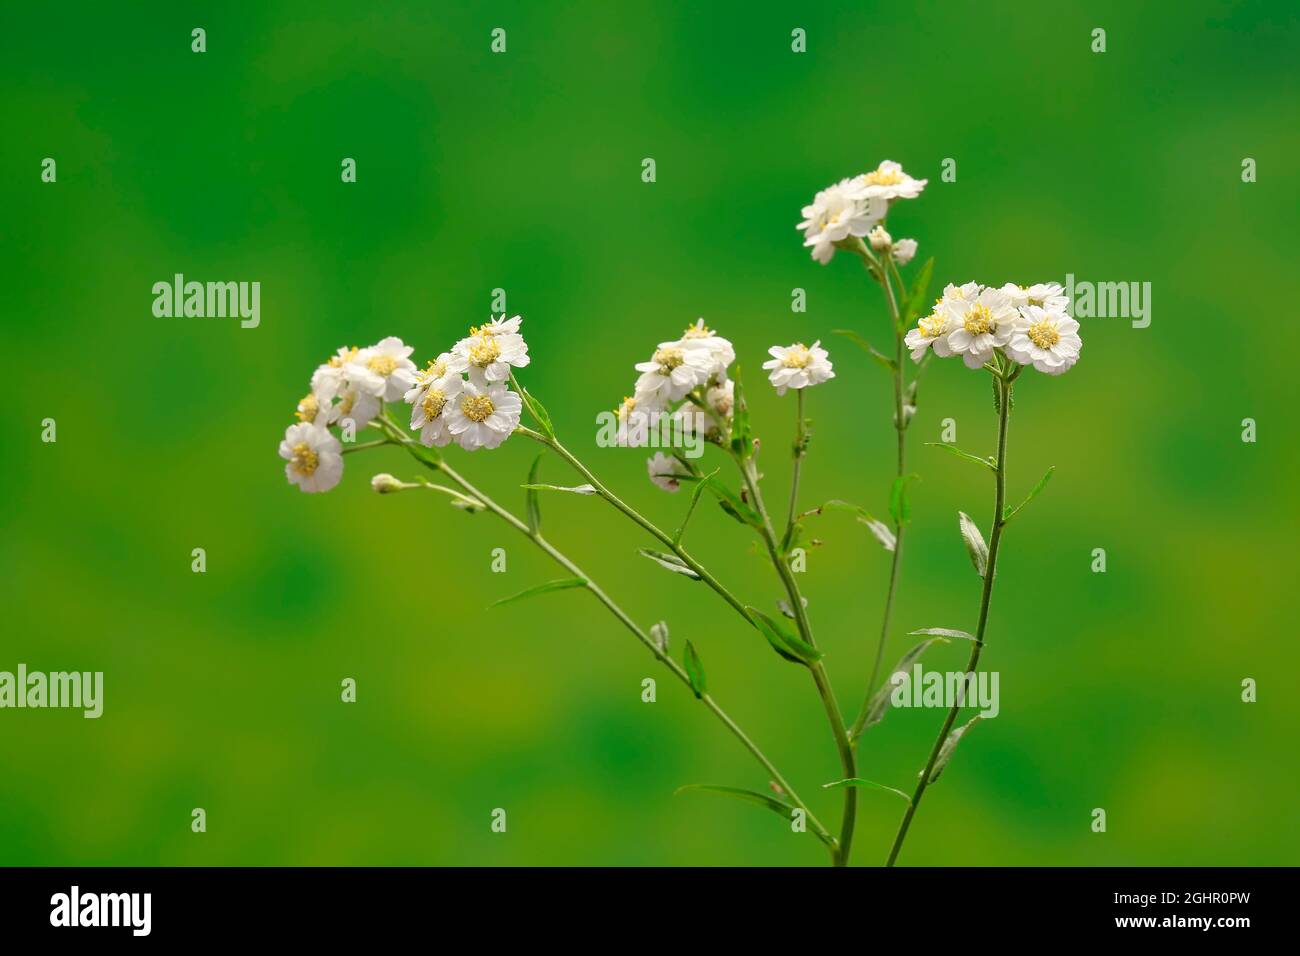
x=352, y=405
x=933, y=330
x=483, y=414
x=672, y=372
x=492, y=349
x=328, y=379
x=720, y=398
x=384, y=370
x=720, y=350
x=981, y=323
x=880, y=240
x=429, y=401
x=311, y=409
x=665, y=470
x=1047, y=340
x=904, y=250
x=314, y=457
x=837, y=212
x=888, y=181
x=1047, y=295
x=798, y=366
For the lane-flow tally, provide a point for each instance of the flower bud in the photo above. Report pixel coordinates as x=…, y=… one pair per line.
x=385, y=483
x=904, y=250
x=880, y=240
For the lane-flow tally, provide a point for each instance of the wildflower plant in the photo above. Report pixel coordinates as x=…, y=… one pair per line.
x=470, y=396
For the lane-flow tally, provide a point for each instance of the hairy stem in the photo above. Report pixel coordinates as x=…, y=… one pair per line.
x=1003, y=384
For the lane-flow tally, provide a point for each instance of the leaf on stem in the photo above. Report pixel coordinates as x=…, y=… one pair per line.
x=576, y=489
x=883, y=697
x=792, y=648
x=669, y=561
x=898, y=509
x=943, y=632
x=949, y=745
x=964, y=455
x=560, y=585
x=702, y=483
x=866, y=785
x=867, y=347
x=882, y=532
x=535, y=409
x=975, y=546
x=920, y=292
x=739, y=793
x=1008, y=514
x=532, y=505
x=741, y=442
x=695, y=670
x=659, y=634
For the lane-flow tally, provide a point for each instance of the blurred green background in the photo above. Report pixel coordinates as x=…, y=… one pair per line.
x=522, y=171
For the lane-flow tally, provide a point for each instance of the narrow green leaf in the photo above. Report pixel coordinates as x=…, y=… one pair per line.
x=669, y=561
x=561, y=585
x=943, y=632
x=695, y=670
x=537, y=410
x=949, y=745
x=867, y=347
x=532, y=505
x=898, y=509
x=920, y=291
x=695, y=500
x=882, y=532
x=733, y=505
x=865, y=784
x=576, y=489
x=1042, y=483
x=975, y=546
x=739, y=793
x=741, y=443
x=881, y=701
x=792, y=648
x=964, y=455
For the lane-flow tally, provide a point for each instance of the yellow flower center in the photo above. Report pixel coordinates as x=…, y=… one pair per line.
x=932, y=326
x=308, y=409
x=436, y=369
x=346, y=403
x=884, y=177
x=979, y=320
x=797, y=357
x=700, y=331
x=668, y=359
x=434, y=400
x=304, y=459
x=476, y=408
x=484, y=352
x=382, y=365
x=338, y=361
x=626, y=408
x=1044, y=334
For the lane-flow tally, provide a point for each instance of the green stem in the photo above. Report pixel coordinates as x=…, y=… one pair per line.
x=800, y=450
x=1003, y=381
x=824, y=690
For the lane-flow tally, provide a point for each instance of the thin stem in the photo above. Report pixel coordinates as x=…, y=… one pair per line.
x=800, y=451
x=676, y=669
x=1003, y=384
x=818, y=669
x=350, y=448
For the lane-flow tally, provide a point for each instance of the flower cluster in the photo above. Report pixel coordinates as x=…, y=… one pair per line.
x=1030, y=325
x=461, y=396
x=856, y=207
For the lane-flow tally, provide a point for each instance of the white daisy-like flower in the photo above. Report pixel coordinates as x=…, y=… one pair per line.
x=930, y=330
x=837, y=212
x=434, y=370
x=721, y=400
x=1047, y=340
x=981, y=324
x=798, y=366
x=483, y=414
x=1046, y=295
x=314, y=458
x=904, y=251
x=328, y=379
x=888, y=181
x=311, y=408
x=720, y=350
x=352, y=404
x=492, y=349
x=673, y=371
x=665, y=471
x=428, y=404
x=384, y=370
